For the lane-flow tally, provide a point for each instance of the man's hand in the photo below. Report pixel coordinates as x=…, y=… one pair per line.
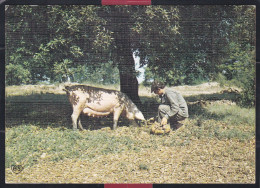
x=164, y=121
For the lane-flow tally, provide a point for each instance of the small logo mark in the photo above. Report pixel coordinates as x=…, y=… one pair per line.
x=17, y=168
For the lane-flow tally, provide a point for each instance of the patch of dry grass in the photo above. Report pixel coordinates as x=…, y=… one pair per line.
x=186, y=90
x=206, y=88
x=158, y=159
x=24, y=90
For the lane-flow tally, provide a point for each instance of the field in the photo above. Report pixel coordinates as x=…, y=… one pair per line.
x=216, y=144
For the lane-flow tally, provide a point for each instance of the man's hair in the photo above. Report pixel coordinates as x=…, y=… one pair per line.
x=157, y=85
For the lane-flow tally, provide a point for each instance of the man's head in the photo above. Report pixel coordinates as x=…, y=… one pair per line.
x=157, y=87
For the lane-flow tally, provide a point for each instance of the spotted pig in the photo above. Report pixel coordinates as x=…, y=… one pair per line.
x=98, y=102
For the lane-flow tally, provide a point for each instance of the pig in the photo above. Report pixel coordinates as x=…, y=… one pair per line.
x=99, y=102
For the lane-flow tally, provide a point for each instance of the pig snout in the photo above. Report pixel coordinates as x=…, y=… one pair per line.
x=139, y=116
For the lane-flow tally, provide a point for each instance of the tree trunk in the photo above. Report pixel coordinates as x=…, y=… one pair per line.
x=128, y=80
x=124, y=54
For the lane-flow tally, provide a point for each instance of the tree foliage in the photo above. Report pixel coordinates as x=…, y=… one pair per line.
x=59, y=40
x=176, y=44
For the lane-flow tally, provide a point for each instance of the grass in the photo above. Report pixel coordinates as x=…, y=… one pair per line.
x=233, y=114
x=60, y=143
x=216, y=145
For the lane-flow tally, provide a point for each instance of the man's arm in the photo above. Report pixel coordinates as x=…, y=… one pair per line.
x=174, y=105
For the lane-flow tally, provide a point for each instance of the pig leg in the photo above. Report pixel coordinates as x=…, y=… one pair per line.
x=75, y=115
x=80, y=125
x=117, y=112
x=74, y=118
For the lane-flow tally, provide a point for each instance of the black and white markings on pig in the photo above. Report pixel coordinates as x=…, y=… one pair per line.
x=99, y=102
x=74, y=99
x=93, y=93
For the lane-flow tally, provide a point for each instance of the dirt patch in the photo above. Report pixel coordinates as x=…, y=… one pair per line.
x=203, y=89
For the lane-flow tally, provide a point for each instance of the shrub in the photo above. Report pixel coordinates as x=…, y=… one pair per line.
x=17, y=74
x=239, y=70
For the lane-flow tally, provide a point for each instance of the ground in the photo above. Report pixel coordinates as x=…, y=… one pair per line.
x=215, y=145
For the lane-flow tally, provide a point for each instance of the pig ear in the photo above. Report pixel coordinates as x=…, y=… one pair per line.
x=66, y=90
x=136, y=110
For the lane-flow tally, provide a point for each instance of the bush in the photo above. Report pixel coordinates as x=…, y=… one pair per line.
x=16, y=75
x=240, y=66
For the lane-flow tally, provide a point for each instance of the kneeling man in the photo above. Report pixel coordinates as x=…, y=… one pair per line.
x=173, y=107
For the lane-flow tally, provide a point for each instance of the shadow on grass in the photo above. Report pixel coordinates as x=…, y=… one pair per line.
x=47, y=110
x=40, y=109
x=55, y=110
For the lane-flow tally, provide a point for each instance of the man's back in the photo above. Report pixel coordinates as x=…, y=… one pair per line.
x=176, y=101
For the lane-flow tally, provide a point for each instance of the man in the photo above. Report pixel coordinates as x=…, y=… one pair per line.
x=173, y=107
